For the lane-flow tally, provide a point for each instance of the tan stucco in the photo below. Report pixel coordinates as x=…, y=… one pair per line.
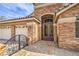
x=31, y=22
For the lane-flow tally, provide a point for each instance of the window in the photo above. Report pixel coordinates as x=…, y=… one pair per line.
x=46, y=30
x=77, y=27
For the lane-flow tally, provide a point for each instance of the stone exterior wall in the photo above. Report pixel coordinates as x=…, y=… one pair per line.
x=66, y=33
x=47, y=10
x=66, y=29
x=74, y=11
x=50, y=9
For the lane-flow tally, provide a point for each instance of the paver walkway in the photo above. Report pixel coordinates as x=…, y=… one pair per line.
x=41, y=48
x=45, y=48
x=65, y=52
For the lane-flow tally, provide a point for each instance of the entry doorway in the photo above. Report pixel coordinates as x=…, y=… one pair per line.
x=47, y=27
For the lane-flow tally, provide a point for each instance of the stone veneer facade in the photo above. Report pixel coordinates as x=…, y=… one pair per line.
x=66, y=29
x=66, y=33
x=50, y=9
x=44, y=10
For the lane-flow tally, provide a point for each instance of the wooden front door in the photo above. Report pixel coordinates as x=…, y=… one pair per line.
x=48, y=30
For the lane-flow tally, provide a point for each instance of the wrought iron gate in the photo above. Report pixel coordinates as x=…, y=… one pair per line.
x=16, y=43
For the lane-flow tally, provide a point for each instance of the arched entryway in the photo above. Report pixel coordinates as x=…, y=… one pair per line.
x=47, y=27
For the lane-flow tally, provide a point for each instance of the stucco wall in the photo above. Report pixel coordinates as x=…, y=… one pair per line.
x=33, y=31
x=32, y=28
x=66, y=33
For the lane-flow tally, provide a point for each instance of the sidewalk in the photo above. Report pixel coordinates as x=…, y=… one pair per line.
x=41, y=48
x=64, y=52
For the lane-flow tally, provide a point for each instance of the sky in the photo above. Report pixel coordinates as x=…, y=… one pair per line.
x=15, y=10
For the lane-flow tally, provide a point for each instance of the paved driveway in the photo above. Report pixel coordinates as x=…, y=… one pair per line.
x=41, y=48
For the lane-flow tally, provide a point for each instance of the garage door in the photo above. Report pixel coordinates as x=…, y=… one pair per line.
x=21, y=31
x=5, y=33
